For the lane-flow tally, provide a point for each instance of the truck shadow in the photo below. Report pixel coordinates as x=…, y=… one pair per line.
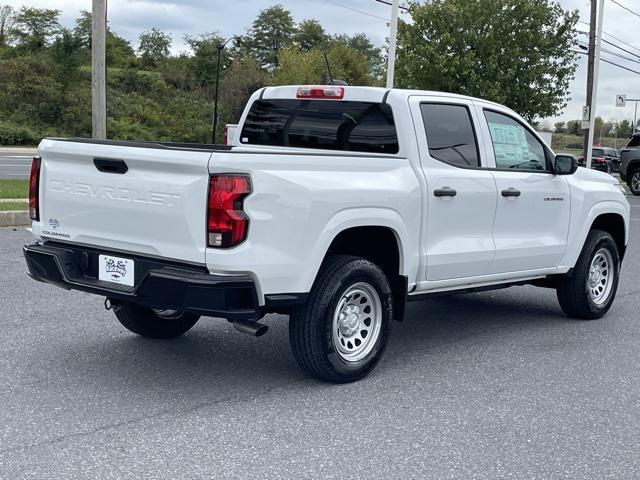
x=214, y=356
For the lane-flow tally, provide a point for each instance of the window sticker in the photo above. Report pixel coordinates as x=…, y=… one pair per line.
x=509, y=142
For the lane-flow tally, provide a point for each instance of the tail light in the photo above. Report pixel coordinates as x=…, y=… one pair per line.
x=227, y=224
x=320, y=92
x=598, y=159
x=226, y=135
x=34, y=189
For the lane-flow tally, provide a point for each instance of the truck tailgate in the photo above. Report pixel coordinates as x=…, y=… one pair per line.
x=156, y=207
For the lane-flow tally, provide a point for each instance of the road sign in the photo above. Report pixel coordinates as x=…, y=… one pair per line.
x=585, y=125
x=585, y=114
x=621, y=100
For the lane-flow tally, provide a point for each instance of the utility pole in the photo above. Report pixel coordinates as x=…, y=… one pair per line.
x=594, y=86
x=393, y=34
x=98, y=70
x=590, y=64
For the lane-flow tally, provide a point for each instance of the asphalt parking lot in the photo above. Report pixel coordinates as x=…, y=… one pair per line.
x=489, y=385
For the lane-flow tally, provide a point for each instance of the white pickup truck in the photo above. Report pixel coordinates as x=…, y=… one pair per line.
x=334, y=205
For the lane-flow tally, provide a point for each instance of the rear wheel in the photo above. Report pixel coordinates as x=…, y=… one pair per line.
x=341, y=333
x=634, y=181
x=589, y=291
x=608, y=168
x=153, y=323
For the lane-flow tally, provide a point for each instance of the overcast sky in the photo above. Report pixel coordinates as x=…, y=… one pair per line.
x=228, y=17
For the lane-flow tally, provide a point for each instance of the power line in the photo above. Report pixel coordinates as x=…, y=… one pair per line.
x=626, y=8
x=616, y=54
x=401, y=7
x=362, y=12
x=615, y=38
x=616, y=46
x=608, y=61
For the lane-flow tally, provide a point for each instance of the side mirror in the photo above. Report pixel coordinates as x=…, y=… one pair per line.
x=565, y=165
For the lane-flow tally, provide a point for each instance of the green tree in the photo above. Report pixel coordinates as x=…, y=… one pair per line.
x=574, y=127
x=515, y=52
x=118, y=50
x=624, y=129
x=6, y=24
x=299, y=67
x=363, y=44
x=271, y=32
x=35, y=28
x=205, y=57
x=310, y=34
x=154, y=46
x=560, y=127
x=242, y=79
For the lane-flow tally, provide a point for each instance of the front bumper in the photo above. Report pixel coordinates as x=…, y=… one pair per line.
x=158, y=283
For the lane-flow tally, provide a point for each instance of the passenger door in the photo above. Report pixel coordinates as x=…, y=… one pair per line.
x=461, y=195
x=533, y=210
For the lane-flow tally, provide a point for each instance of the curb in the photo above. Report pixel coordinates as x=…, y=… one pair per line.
x=18, y=218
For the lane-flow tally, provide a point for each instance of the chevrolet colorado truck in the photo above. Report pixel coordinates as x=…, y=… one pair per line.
x=333, y=205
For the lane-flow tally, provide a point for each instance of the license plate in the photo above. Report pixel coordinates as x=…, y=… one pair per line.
x=116, y=270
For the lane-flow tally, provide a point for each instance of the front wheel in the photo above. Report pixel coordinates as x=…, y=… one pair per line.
x=589, y=291
x=341, y=333
x=634, y=182
x=153, y=323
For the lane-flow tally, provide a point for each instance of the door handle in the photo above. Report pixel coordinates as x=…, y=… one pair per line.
x=511, y=192
x=445, y=192
x=110, y=165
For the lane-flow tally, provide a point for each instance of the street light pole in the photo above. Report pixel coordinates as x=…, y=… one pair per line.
x=214, y=129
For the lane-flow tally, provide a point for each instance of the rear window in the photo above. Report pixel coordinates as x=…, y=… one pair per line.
x=323, y=124
x=597, y=152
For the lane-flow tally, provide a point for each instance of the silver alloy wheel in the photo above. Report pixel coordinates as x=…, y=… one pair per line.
x=356, y=322
x=635, y=181
x=601, y=276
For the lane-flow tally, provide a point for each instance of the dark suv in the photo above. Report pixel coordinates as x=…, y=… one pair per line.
x=603, y=159
x=630, y=164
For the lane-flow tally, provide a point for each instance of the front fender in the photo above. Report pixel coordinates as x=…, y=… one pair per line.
x=579, y=230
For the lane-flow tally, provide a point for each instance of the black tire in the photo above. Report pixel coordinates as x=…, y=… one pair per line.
x=151, y=324
x=608, y=168
x=574, y=289
x=311, y=333
x=630, y=181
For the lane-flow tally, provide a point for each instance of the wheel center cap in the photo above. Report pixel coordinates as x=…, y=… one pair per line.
x=594, y=276
x=349, y=320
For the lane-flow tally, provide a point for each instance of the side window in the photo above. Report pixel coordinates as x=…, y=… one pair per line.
x=450, y=134
x=514, y=146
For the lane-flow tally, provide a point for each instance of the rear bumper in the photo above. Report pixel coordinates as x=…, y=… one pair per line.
x=158, y=284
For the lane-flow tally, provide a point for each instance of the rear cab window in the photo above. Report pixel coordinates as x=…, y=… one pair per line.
x=450, y=134
x=321, y=124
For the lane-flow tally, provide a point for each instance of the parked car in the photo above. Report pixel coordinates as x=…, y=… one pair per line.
x=334, y=205
x=630, y=164
x=603, y=159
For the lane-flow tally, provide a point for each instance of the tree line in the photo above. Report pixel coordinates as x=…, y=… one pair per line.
x=603, y=128
x=460, y=46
